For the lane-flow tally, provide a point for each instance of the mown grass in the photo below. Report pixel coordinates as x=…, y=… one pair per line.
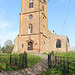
x=45, y=53
x=58, y=70
x=69, y=54
x=33, y=59
x=4, y=58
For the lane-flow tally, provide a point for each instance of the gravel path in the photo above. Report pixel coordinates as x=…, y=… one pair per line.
x=37, y=69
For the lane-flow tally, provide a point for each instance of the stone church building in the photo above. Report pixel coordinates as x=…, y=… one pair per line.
x=34, y=36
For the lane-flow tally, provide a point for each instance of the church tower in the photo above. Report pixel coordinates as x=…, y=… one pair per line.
x=33, y=17
x=34, y=36
x=33, y=26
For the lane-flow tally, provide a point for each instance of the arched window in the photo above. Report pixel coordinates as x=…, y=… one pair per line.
x=31, y=4
x=30, y=46
x=30, y=29
x=58, y=44
x=22, y=45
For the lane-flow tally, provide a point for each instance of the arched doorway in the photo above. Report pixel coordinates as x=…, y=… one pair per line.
x=30, y=46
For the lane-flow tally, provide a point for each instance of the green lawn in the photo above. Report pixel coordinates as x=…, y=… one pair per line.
x=4, y=58
x=69, y=54
x=58, y=70
x=33, y=59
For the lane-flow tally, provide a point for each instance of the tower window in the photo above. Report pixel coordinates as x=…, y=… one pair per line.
x=30, y=29
x=30, y=16
x=22, y=45
x=31, y=4
x=58, y=44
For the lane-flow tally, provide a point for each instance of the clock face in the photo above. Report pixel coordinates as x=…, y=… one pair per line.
x=30, y=16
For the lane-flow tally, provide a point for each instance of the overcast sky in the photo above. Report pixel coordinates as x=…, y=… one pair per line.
x=9, y=19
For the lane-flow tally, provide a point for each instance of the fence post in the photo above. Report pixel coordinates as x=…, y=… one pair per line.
x=60, y=61
x=64, y=62
x=55, y=60
x=68, y=65
x=49, y=61
x=10, y=60
x=20, y=60
x=15, y=62
x=63, y=71
x=6, y=66
x=25, y=60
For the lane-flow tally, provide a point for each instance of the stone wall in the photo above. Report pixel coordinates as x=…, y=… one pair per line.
x=43, y=40
x=65, y=47
x=16, y=45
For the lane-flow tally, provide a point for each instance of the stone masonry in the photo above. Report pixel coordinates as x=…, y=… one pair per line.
x=40, y=39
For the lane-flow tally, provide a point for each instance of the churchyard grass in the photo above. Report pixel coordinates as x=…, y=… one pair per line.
x=31, y=60
x=69, y=54
x=57, y=70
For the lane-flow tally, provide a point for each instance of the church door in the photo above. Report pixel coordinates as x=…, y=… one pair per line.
x=30, y=46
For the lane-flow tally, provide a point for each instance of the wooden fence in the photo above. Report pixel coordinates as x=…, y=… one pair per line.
x=65, y=64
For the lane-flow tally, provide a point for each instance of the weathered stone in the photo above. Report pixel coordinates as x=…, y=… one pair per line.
x=42, y=39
